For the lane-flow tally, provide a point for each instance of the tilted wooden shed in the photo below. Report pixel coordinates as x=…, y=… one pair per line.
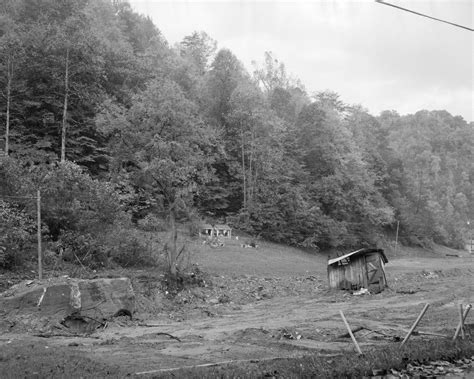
x=362, y=268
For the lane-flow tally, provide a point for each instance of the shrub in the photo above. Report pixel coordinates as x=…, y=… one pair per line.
x=151, y=223
x=128, y=249
x=83, y=249
x=73, y=201
x=128, y=246
x=17, y=231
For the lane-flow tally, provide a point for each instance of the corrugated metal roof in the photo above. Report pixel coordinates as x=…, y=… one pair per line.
x=223, y=227
x=206, y=226
x=356, y=253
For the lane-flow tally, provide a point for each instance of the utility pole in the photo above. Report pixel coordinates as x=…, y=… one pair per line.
x=40, y=255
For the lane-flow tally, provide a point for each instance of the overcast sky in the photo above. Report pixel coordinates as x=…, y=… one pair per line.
x=371, y=54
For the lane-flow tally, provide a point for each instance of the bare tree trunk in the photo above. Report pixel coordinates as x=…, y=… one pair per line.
x=173, y=251
x=9, y=89
x=252, y=168
x=243, y=169
x=64, y=121
x=418, y=202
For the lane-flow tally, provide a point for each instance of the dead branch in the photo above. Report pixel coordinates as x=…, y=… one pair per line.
x=169, y=335
x=429, y=334
x=49, y=335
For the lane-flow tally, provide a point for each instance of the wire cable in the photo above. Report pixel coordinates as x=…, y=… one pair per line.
x=424, y=15
x=17, y=197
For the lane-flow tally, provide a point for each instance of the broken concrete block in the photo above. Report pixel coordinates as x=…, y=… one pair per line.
x=49, y=302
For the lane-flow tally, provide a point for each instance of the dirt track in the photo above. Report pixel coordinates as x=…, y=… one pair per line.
x=271, y=327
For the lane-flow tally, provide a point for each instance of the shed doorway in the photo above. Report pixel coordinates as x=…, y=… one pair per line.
x=376, y=281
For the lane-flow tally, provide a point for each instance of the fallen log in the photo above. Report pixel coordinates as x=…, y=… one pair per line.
x=355, y=330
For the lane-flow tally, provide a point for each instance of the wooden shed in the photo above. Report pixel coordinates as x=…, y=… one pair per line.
x=362, y=268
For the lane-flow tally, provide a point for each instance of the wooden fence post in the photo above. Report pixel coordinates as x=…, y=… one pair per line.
x=415, y=324
x=461, y=322
x=350, y=333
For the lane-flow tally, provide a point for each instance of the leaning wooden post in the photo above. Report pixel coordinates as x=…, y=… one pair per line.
x=415, y=324
x=350, y=333
x=40, y=258
x=461, y=322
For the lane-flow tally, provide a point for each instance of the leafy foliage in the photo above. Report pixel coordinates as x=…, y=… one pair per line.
x=16, y=232
x=160, y=135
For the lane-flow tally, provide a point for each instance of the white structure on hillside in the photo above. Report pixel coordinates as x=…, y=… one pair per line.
x=208, y=230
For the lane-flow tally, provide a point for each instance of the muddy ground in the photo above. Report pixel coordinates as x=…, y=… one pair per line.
x=262, y=313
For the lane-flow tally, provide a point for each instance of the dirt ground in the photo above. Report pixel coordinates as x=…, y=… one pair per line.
x=253, y=304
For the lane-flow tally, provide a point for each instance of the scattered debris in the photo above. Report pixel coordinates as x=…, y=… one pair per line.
x=435, y=369
x=250, y=245
x=288, y=334
x=430, y=275
x=408, y=291
x=362, y=291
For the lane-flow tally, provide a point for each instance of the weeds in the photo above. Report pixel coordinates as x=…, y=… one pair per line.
x=380, y=359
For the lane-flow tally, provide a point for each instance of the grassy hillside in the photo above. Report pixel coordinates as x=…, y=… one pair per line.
x=267, y=259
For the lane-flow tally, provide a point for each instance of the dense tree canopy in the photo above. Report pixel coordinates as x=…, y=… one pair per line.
x=98, y=110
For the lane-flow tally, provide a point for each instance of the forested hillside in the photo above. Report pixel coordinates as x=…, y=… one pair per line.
x=120, y=130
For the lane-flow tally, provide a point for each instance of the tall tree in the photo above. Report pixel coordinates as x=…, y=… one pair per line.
x=224, y=76
x=338, y=177
x=165, y=145
x=11, y=61
x=199, y=48
x=272, y=75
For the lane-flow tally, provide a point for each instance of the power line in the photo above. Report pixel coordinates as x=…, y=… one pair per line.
x=17, y=197
x=423, y=15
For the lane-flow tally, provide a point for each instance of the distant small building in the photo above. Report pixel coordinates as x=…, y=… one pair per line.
x=362, y=268
x=223, y=231
x=208, y=230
